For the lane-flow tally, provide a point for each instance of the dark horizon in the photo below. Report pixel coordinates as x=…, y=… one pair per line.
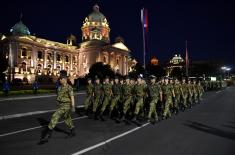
x=207, y=25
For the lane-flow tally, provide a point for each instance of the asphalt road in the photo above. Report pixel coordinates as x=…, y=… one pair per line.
x=208, y=128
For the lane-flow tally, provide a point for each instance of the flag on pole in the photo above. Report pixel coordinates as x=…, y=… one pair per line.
x=144, y=19
x=186, y=58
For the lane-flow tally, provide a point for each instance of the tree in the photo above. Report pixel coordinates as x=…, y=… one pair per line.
x=156, y=70
x=3, y=64
x=137, y=70
x=177, y=72
x=101, y=70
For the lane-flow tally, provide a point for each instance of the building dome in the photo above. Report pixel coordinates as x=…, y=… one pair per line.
x=20, y=29
x=95, y=26
x=96, y=15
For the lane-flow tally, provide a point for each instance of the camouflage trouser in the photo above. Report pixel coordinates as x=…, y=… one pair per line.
x=185, y=97
x=167, y=111
x=126, y=104
x=96, y=103
x=177, y=101
x=152, y=108
x=63, y=111
x=195, y=97
x=114, y=102
x=87, y=102
x=199, y=96
x=105, y=103
x=190, y=100
x=139, y=105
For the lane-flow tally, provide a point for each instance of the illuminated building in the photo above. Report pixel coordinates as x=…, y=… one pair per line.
x=176, y=62
x=154, y=61
x=29, y=56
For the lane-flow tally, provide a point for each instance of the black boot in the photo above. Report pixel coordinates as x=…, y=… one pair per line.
x=46, y=135
x=72, y=132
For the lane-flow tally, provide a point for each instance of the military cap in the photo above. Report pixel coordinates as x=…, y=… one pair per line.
x=96, y=77
x=139, y=77
x=127, y=77
x=88, y=79
x=63, y=74
x=152, y=77
x=106, y=77
x=166, y=77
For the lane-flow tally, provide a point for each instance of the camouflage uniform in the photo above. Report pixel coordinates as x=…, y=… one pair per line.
x=107, y=89
x=167, y=98
x=178, y=93
x=127, y=97
x=139, y=94
x=97, y=96
x=195, y=93
x=64, y=98
x=190, y=94
x=200, y=91
x=89, y=92
x=116, y=89
x=154, y=94
x=185, y=94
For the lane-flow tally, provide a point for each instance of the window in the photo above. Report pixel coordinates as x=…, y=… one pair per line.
x=24, y=66
x=49, y=56
x=66, y=58
x=24, y=52
x=39, y=55
x=104, y=59
x=58, y=57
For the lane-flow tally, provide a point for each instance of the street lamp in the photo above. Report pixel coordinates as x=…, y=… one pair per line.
x=224, y=68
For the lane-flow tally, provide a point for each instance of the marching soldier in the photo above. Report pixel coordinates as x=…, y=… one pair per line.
x=200, y=91
x=195, y=92
x=178, y=93
x=107, y=92
x=116, y=90
x=190, y=93
x=168, y=94
x=97, y=96
x=65, y=98
x=127, y=97
x=154, y=94
x=139, y=96
x=90, y=93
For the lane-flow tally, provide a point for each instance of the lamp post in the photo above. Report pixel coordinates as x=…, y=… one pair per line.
x=224, y=68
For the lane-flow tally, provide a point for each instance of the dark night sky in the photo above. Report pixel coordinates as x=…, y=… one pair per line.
x=209, y=26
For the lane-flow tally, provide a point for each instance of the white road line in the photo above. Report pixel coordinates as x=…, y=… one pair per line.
x=219, y=91
x=108, y=140
x=29, y=113
x=33, y=128
x=33, y=97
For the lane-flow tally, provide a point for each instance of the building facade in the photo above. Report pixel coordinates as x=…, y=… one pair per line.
x=175, y=62
x=29, y=56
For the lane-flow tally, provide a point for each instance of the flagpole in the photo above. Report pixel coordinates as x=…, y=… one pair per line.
x=144, y=52
x=186, y=57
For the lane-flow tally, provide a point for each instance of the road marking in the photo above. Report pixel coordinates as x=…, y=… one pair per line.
x=108, y=140
x=219, y=91
x=33, y=97
x=30, y=113
x=37, y=127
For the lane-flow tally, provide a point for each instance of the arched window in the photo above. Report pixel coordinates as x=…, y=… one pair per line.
x=58, y=57
x=104, y=59
x=23, y=64
x=39, y=54
x=24, y=52
x=49, y=56
x=66, y=58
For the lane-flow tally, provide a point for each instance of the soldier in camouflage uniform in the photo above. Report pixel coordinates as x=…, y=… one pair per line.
x=127, y=97
x=178, y=93
x=116, y=91
x=139, y=91
x=97, y=96
x=190, y=96
x=185, y=93
x=154, y=95
x=195, y=92
x=107, y=91
x=200, y=91
x=168, y=94
x=65, y=98
x=89, y=92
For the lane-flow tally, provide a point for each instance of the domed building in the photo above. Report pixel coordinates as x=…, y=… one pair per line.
x=175, y=62
x=96, y=46
x=29, y=56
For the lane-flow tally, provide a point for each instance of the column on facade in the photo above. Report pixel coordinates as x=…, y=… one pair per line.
x=45, y=59
x=54, y=60
x=63, y=61
x=71, y=62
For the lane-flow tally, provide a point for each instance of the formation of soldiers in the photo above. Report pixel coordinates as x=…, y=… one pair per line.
x=138, y=99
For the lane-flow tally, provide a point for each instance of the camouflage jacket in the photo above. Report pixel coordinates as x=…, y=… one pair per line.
x=64, y=93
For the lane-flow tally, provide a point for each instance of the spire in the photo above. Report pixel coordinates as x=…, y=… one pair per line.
x=96, y=8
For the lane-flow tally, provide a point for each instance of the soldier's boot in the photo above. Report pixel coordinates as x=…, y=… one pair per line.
x=72, y=132
x=110, y=113
x=102, y=117
x=134, y=118
x=95, y=116
x=46, y=136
